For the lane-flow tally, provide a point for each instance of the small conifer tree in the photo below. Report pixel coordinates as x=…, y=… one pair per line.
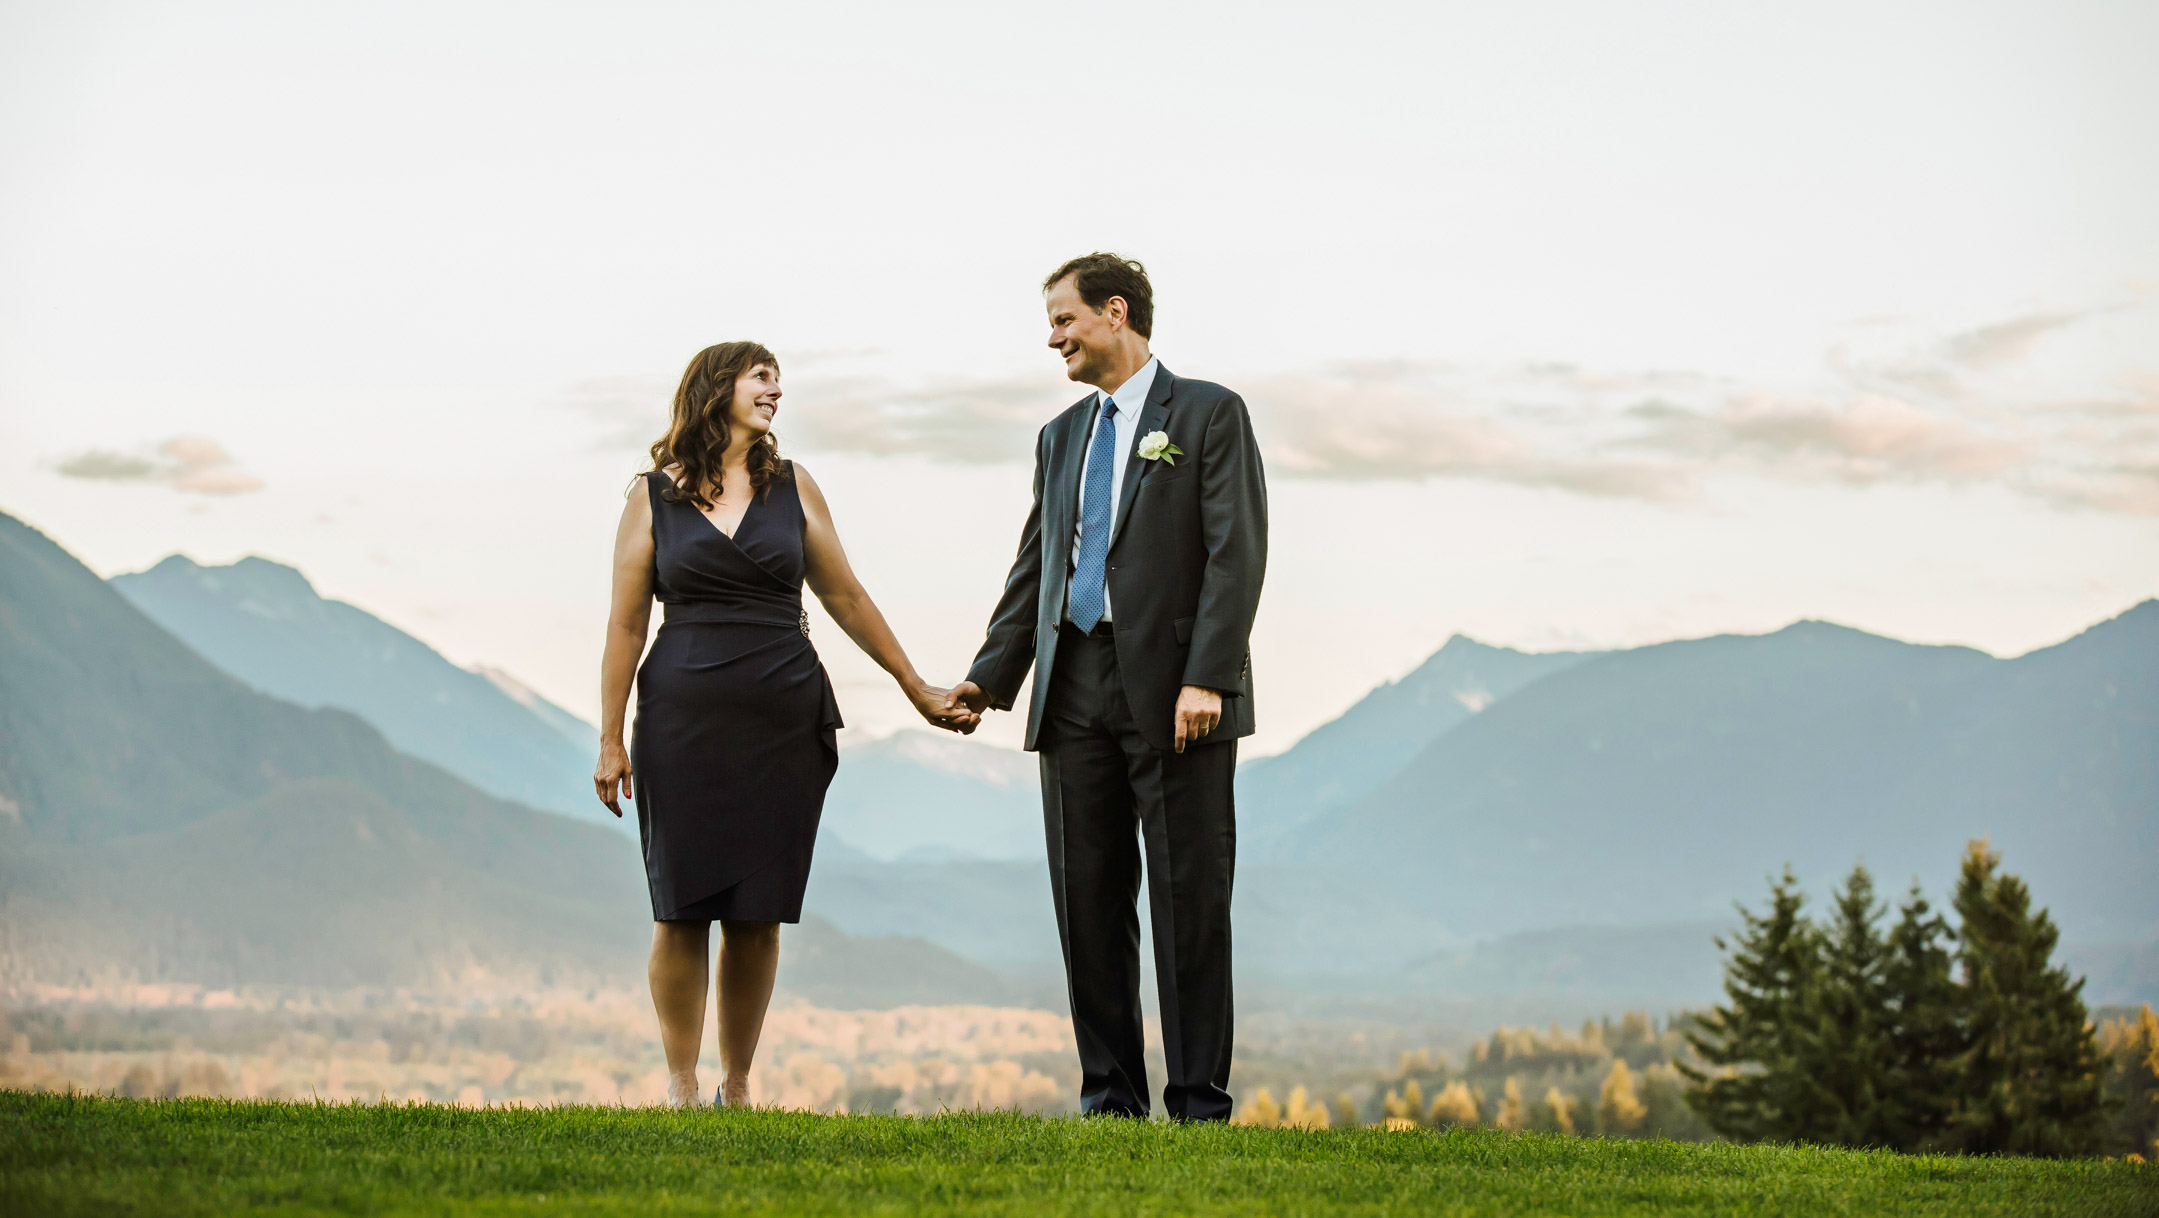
x=1845, y=1043
x=1925, y=1026
x=1756, y=1035
x=2029, y=1081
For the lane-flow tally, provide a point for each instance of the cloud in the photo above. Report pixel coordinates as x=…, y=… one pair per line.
x=1865, y=438
x=1406, y=421
x=194, y=464
x=2006, y=341
x=1982, y=406
x=631, y=410
x=838, y=410
x=966, y=421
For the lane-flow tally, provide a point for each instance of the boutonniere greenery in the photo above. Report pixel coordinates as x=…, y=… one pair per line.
x=1155, y=446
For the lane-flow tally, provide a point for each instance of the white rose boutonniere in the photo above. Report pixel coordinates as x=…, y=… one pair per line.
x=1155, y=446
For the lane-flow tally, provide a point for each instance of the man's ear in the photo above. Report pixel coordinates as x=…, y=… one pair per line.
x=1116, y=311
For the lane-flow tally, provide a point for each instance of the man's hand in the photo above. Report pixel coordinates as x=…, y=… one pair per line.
x=969, y=695
x=1198, y=712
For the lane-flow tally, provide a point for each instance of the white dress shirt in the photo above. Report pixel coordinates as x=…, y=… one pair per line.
x=1131, y=399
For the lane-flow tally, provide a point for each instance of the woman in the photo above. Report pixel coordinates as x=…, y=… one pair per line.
x=735, y=716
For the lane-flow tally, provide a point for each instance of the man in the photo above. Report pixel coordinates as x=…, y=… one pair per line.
x=1132, y=598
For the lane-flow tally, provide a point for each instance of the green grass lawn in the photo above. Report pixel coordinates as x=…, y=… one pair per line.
x=72, y=1155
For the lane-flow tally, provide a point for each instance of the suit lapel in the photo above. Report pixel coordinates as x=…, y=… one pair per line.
x=1061, y=512
x=1150, y=420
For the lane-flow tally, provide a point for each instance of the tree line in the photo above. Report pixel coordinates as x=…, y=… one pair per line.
x=1921, y=1036
x=1916, y=1035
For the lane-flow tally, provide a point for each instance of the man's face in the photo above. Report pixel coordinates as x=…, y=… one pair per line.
x=1086, y=339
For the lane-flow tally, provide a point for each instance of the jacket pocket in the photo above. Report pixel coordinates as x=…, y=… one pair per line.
x=1183, y=627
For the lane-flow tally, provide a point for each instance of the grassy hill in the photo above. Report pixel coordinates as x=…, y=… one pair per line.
x=69, y=1155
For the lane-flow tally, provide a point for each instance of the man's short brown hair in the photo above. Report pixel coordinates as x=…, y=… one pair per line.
x=1099, y=276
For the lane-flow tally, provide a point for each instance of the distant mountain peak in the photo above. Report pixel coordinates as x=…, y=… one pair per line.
x=263, y=622
x=943, y=753
x=518, y=691
x=274, y=587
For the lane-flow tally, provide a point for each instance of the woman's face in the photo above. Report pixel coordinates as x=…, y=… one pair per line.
x=757, y=399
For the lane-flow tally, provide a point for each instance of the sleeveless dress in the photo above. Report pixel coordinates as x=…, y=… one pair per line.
x=733, y=746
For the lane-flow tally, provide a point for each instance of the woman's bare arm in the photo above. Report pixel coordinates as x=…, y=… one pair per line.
x=832, y=578
x=629, y=614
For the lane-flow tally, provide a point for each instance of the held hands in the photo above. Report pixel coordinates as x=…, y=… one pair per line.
x=943, y=708
x=969, y=695
x=1199, y=711
x=614, y=767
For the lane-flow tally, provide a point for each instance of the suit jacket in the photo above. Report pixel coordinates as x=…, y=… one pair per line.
x=1185, y=562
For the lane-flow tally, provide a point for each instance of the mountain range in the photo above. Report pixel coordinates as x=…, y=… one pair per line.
x=1496, y=823
x=162, y=820
x=264, y=623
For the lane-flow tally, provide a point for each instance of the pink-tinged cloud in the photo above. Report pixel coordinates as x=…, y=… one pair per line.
x=193, y=464
x=1869, y=437
x=2074, y=428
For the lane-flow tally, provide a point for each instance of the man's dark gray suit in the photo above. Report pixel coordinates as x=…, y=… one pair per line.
x=1187, y=554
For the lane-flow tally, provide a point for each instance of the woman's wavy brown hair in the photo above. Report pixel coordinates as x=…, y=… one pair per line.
x=700, y=427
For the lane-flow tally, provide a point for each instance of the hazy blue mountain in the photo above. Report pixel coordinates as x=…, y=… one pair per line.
x=927, y=796
x=994, y=911
x=160, y=820
x=1354, y=754
x=1659, y=784
x=264, y=623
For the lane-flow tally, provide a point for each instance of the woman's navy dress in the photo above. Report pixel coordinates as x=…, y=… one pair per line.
x=734, y=742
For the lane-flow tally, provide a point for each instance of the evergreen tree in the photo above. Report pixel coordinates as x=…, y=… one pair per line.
x=1924, y=1021
x=1843, y=1043
x=2029, y=1081
x=1759, y=1095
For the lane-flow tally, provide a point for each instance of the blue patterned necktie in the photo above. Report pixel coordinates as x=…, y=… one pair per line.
x=1089, y=596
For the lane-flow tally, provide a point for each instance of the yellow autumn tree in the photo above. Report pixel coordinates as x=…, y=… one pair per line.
x=2130, y=1048
x=1303, y=1113
x=1511, y=1116
x=1454, y=1105
x=1406, y=1107
x=1260, y=1110
x=1561, y=1106
x=1619, y=1110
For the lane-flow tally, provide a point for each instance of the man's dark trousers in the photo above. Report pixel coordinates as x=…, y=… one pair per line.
x=1104, y=791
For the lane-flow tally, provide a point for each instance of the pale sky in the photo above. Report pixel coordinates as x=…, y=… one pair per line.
x=1564, y=325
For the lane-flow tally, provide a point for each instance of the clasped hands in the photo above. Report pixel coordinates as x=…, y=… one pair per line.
x=1199, y=711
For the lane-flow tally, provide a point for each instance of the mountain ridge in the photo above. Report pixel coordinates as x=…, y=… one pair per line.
x=173, y=824
x=264, y=623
